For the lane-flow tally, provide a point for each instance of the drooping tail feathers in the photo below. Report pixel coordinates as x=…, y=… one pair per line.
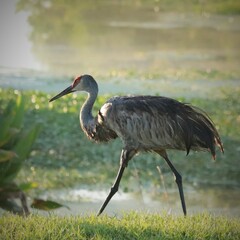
x=201, y=131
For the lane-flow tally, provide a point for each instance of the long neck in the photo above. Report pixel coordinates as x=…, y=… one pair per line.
x=86, y=117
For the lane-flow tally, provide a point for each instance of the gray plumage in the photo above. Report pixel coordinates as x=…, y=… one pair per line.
x=155, y=123
x=145, y=123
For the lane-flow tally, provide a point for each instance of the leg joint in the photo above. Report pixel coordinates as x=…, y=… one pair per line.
x=114, y=189
x=178, y=178
x=126, y=156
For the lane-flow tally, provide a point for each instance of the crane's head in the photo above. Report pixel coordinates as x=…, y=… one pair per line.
x=81, y=83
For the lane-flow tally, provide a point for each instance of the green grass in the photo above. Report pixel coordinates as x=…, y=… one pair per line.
x=219, y=6
x=129, y=226
x=64, y=157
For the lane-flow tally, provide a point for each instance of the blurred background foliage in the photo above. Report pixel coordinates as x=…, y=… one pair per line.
x=16, y=140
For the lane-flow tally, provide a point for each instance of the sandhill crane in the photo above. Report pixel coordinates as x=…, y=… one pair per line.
x=144, y=124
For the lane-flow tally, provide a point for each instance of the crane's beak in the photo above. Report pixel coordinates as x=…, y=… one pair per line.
x=64, y=92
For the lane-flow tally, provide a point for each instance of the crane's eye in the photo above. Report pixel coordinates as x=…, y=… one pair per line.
x=76, y=81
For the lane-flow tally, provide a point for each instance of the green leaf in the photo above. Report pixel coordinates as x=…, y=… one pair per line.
x=46, y=205
x=19, y=112
x=6, y=155
x=22, y=149
x=28, y=186
x=11, y=120
x=6, y=119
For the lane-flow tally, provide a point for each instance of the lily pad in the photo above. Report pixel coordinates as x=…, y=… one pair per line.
x=46, y=205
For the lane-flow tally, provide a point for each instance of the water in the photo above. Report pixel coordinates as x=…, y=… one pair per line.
x=98, y=38
x=45, y=82
x=15, y=47
x=82, y=201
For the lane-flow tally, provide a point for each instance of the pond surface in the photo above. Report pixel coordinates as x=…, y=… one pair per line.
x=215, y=200
x=45, y=82
x=103, y=37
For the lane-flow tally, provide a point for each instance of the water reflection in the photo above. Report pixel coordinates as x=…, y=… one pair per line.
x=83, y=201
x=92, y=36
x=15, y=47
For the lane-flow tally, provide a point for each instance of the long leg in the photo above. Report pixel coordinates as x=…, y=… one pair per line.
x=178, y=179
x=125, y=157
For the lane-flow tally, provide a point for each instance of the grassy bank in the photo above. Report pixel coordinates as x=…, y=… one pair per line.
x=64, y=157
x=130, y=226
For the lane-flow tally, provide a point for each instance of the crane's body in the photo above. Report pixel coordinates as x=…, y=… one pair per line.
x=145, y=123
x=155, y=123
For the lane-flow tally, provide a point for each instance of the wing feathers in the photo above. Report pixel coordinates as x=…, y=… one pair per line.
x=164, y=122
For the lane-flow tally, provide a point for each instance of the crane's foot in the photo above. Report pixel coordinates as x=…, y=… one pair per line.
x=113, y=190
